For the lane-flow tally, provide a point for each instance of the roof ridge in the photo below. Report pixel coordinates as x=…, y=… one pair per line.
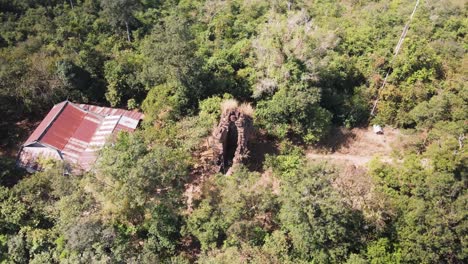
x=87, y=110
x=74, y=105
x=116, y=108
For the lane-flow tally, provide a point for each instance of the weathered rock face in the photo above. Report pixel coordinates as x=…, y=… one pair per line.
x=229, y=139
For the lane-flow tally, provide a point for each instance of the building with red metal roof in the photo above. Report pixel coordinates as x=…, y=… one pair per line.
x=74, y=133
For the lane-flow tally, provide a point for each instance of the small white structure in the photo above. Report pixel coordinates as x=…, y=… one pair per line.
x=378, y=129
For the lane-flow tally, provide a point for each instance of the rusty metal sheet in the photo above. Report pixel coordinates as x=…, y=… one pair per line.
x=45, y=123
x=79, y=131
x=107, y=111
x=63, y=127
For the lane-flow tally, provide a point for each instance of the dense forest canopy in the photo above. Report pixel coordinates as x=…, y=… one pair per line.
x=305, y=67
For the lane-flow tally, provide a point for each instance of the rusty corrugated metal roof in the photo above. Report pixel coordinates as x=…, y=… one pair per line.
x=79, y=131
x=45, y=123
x=63, y=127
x=108, y=111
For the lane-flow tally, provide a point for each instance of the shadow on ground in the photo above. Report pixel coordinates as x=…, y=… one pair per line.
x=259, y=147
x=336, y=139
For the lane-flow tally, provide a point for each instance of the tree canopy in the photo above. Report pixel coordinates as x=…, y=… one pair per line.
x=304, y=66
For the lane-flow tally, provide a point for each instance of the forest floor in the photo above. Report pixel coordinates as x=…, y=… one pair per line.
x=357, y=146
x=16, y=134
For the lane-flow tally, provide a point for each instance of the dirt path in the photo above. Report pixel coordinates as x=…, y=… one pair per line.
x=356, y=160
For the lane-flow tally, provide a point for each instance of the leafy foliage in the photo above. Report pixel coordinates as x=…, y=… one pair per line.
x=304, y=65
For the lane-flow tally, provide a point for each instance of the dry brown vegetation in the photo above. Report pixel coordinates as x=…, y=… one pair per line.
x=228, y=105
x=359, y=191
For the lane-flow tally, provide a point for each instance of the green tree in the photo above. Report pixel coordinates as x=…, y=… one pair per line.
x=295, y=110
x=170, y=61
x=76, y=80
x=129, y=176
x=122, y=81
x=233, y=213
x=119, y=13
x=321, y=227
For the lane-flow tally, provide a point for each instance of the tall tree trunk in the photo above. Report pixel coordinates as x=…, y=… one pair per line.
x=128, y=32
x=71, y=4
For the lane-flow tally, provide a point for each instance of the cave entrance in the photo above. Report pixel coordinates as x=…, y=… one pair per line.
x=230, y=146
x=229, y=138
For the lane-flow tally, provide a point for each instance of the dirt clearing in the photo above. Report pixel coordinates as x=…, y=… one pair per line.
x=357, y=146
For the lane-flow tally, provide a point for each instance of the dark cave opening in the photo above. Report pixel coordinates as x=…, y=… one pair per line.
x=230, y=146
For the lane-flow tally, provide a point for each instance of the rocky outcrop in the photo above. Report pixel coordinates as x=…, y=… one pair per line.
x=229, y=139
